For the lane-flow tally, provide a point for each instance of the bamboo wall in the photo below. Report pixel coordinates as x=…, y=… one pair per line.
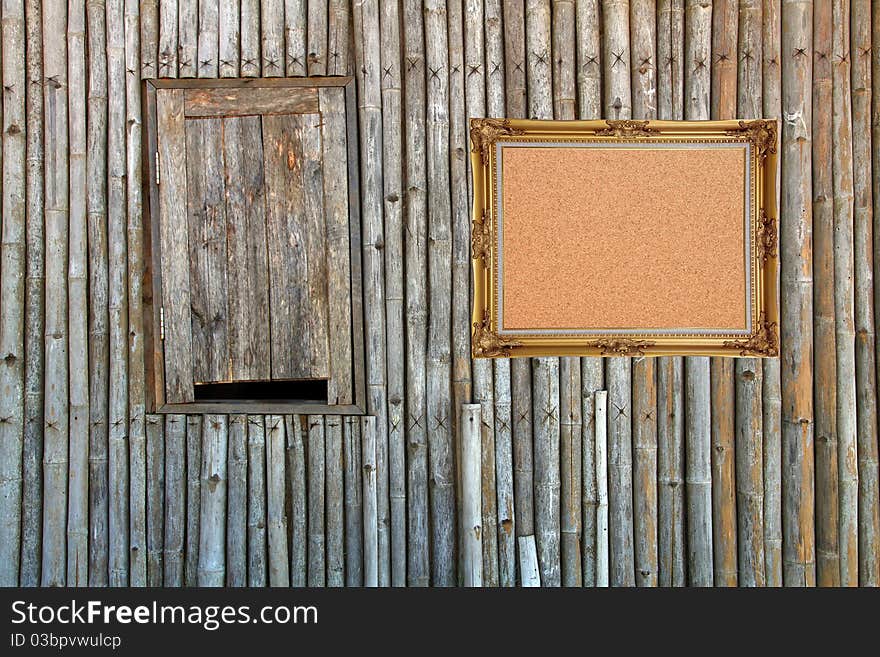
x=720, y=472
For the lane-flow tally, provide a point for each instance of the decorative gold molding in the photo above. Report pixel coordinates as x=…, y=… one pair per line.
x=761, y=132
x=620, y=346
x=481, y=240
x=488, y=343
x=485, y=132
x=626, y=128
x=767, y=236
x=764, y=342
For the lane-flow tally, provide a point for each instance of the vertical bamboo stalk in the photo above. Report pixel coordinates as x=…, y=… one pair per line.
x=796, y=296
x=193, y=462
x=825, y=381
x=333, y=457
x=589, y=56
x=188, y=38
x=371, y=520
x=338, y=37
x=469, y=426
x=12, y=270
x=274, y=24
x=367, y=33
x=875, y=169
x=229, y=37
x=316, y=33
x=844, y=328
x=256, y=514
x=772, y=393
x=439, y=414
x=175, y=500
x=563, y=35
x=56, y=426
x=212, y=514
x=294, y=524
x=616, y=59
x=515, y=58
x=155, y=494
x=295, y=21
x=277, y=452
x=528, y=562
x=601, y=460
x=354, y=518
x=168, y=34
x=209, y=23
x=418, y=573
x=317, y=574
x=866, y=383
x=236, y=501
x=149, y=38
x=670, y=59
x=392, y=180
x=32, y=487
x=250, y=38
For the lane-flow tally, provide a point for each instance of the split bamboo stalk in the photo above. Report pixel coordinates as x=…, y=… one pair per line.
x=392, y=180
x=670, y=60
x=274, y=24
x=563, y=36
x=644, y=384
x=229, y=38
x=371, y=521
x=212, y=514
x=193, y=462
x=616, y=59
x=99, y=346
x=12, y=292
x=698, y=30
x=149, y=38
x=825, y=381
x=209, y=23
x=56, y=427
x=866, y=383
x=168, y=34
x=354, y=518
x=294, y=17
x=367, y=37
x=470, y=427
x=278, y=565
x=315, y=449
x=236, y=502
x=136, y=387
x=316, y=32
x=439, y=412
x=515, y=58
x=725, y=56
x=589, y=56
x=772, y=393
x=32, y=486
x=844, y=328
x=334, y=523
x=175, y=500
x=621, y=558
x=118, y=476
x=256, y=509
x=528, y=562
x=601, y=462
x=155, y=495
x=418, y=560
x=250, y=38
x=338, y=37
x=538, y=56
x=294, y=524
x=796, y=310
x=495, y=106
x=188, y=38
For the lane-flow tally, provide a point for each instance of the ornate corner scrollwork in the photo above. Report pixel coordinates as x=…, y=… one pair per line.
x=626, y=128
x=767, y=236
x=620, y=346
x=488, y=343
x=481, y=240
x=763, y=342
x=761, y=133
x=485, y=132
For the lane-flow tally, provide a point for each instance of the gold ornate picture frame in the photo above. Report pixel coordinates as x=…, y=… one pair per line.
x=625, y=238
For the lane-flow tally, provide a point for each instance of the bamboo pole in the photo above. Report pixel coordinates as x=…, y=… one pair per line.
x=515, y=58
x=250, y=38
x=295, y=21
x=616, y=59
x=528, y=562
x=149, y=38
x=334, y=529
x=209, y=23
x=32, y=486
x=371, y=520
x=188, y=38
x=175, y=504
x=236, y=501
x=589, y=55
x=392, y=180
x=276, y=449
x=866, y=384
x=55, y=445
x=256, y=492
x=12, y=269
x=418, y=564
x=601, y=461
x=194, y=428
x=168, y=28
x=229, y=38
x=338, y=38
x=772, y=393
x=315, y=451
x=367, y=33
x=316, y=32
x=439, y=414
x=796, y=296
x=212, y=514
x=875, y=169
x=354, y=517
x=844, y=328
x=472, y=517
x=155, y=496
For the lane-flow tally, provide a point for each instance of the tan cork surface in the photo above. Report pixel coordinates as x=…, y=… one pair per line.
x=623, y=238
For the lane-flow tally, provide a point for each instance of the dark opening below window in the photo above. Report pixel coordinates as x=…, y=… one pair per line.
x=310, y=390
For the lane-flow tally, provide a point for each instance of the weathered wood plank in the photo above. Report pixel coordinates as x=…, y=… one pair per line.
x=296, y=500
x=315, y=451
x=168, y=40
x=371, y=521
x=236, y=501
x=155, y=511
x=334, y=501
x=316, y=33
x=175, y=500
x=250, y=38
x=472, y=519
x=249, y=101
x=295, y=22
x=354, y=518
x=257, y=574
x=229, y=36
x=601, y=462
x=207, y=40
x=194, y=431
x=212, y=513
x=276, y=518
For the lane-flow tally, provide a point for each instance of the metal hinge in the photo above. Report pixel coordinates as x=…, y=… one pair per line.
x=162, y=323
x=157, y=168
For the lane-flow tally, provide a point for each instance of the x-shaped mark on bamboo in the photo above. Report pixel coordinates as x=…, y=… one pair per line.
x=618, y=58
x=441, y=421
x=549, y=415
x=415, y=422
x=620, y=410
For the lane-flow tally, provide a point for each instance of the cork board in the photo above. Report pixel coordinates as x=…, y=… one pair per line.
x=625, y=238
